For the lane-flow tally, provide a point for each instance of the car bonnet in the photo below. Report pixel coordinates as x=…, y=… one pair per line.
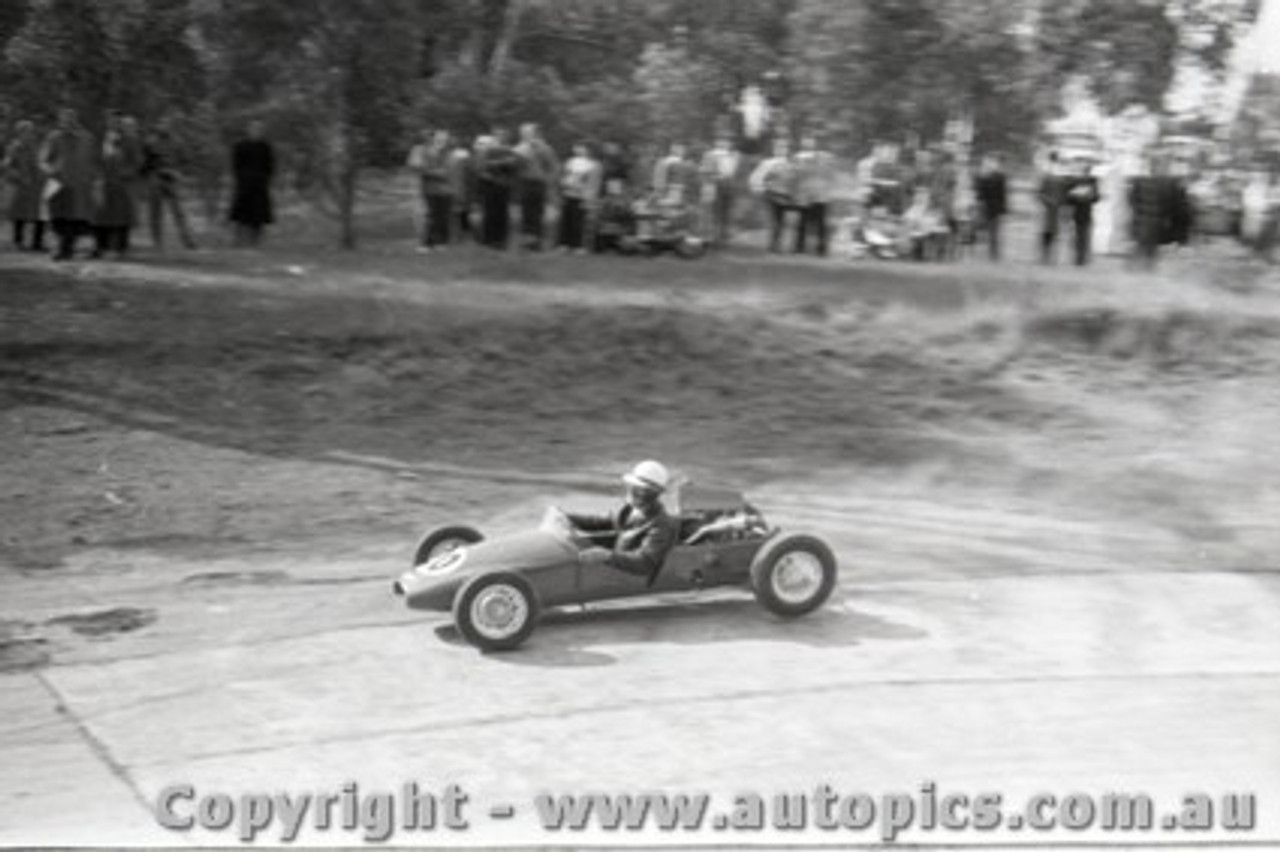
x=521, y=551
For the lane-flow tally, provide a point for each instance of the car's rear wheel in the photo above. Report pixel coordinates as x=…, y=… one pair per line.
x=793, y=575
x=443, y=540
x=496, y=612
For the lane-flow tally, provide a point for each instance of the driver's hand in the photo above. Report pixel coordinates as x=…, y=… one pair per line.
x=594, y=557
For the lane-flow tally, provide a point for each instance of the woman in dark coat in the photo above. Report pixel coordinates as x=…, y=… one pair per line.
x=992, y=189
x=22, y=171
x=253, y=165
x=116, y=210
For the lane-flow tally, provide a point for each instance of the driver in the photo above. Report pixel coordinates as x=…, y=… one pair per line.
x=642, y=532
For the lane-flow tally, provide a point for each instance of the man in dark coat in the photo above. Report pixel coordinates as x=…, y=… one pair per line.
x=638, y=536
x=1051, y=195
x=1182, y=211
x=539, y=170
x=992, y=190
x=1147, y=214
x=1151, y=204
x=69, y=160
x=1080, y=194
x=497, y=168
x=253, y=167
x=22, y=171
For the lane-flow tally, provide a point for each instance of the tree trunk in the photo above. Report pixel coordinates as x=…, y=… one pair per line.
x=506, y=36
x=347, y=203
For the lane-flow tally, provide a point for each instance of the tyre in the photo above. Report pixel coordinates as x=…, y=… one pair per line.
x=496, y=612
x=443, y=540
x=793, y=575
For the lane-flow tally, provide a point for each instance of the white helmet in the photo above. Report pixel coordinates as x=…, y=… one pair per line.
x=648, y=474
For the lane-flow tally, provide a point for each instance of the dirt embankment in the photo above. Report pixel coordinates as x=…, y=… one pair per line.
x=238, y=389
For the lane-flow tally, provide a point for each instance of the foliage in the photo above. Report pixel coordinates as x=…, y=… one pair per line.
x=345, y=84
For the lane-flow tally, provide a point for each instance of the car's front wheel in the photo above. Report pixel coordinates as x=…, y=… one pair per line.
x=443, y=540
x=496, y=612
x=793, y=575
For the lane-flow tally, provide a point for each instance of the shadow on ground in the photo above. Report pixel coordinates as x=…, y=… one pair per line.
x=572, y=637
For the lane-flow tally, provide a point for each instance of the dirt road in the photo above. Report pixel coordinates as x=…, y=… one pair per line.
x=1052, y=497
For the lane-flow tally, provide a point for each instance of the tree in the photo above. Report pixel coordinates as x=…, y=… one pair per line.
x=888, y=68
x=331, y=78
x=891, y=67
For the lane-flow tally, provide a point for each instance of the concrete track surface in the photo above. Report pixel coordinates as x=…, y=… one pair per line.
x=1110, y=676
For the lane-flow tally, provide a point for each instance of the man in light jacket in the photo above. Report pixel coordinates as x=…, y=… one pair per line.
x=815, y=187
x=430, y=160
x=774, y=180
x=719, y=173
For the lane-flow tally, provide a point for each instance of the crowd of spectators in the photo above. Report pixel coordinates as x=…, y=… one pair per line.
x=927, y=204
x=924, y=203
x=69, y=185
x=597, y=191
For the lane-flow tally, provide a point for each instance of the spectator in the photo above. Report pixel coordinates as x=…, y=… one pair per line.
x=863, y=173
x=1182, y=214
x=253, y=167
x=924, y=230
x=69, y=160
x=1149, y=211
x=774, y=180
x=121, y=164
x=1271, y=223
x=965, y=207
x=888, y=180
x=674, y=177
x=497, y=166
x=815, y=177
x=616, y=218
x=1261, y=213
x=615, y=168
x=1051, y=196
x=719, y=175
x=462, y=183
x=539, y=167
x=992, y=190
x=579, y=188
x=430, y=159
x=161, y=182
x=22, y=171
x=943, y=181
x=1080, y=195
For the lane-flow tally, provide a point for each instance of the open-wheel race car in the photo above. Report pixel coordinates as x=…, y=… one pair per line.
x=497, y=588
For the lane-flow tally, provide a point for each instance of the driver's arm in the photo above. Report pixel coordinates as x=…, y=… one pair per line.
x=593, y=523
x=653, y=550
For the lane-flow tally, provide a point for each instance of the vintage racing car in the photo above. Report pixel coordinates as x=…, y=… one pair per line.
x=497, y=588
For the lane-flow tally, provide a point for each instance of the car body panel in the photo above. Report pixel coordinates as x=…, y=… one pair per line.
x=560, y=579
x=550, y=562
